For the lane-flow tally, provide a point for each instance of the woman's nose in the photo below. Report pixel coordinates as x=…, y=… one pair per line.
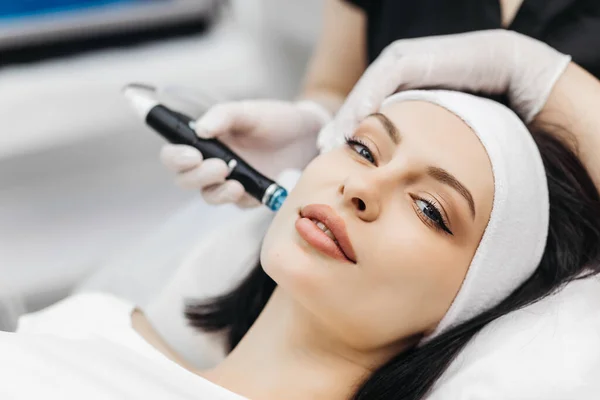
x=362, y=195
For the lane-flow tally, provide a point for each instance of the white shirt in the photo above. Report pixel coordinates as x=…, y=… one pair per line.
x=84, y=347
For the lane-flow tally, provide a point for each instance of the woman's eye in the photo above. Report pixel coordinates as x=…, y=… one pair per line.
x=361, y=149
x=431, y=212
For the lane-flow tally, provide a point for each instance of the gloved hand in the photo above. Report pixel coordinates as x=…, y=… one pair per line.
x=269, y=135
x=492, y=62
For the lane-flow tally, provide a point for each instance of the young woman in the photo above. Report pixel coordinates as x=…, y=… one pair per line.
x=438, y=215
x=411, y=204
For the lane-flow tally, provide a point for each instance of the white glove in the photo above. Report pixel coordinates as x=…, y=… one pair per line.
x=270, y=135
x=492, y=62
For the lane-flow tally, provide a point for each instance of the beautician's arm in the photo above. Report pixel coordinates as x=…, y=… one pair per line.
x=340, y=56
x=574, y=107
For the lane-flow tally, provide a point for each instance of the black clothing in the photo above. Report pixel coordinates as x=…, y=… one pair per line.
x=570, y=26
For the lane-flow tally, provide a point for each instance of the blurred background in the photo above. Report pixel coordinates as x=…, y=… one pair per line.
x=83, y=198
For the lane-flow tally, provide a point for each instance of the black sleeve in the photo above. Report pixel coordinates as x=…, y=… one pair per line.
x=366, y=5
x=359, y=3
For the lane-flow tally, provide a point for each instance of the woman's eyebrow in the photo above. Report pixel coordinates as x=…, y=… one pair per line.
x=388, y=125
x=447, y=178
x=436, y=173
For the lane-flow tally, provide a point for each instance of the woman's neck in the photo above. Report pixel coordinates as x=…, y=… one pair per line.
x=288, y=354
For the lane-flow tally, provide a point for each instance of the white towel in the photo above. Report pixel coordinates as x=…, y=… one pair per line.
x=515, y=237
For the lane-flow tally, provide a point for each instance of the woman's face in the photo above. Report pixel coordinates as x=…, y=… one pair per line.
x=407, y=201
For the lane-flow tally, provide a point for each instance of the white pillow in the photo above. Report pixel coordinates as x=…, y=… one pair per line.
x=547, y=351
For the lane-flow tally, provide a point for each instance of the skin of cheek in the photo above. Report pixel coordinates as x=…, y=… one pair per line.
x=311, y=278
x=285, y=257
x=402, y=286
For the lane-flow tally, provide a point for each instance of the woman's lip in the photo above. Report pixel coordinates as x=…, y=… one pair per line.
x=326, y=215
x=314, y=236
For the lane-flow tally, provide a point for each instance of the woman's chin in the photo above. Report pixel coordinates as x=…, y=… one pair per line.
x=294, y=266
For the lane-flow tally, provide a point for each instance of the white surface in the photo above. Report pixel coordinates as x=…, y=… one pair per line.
x=85, y=347
x=547, y=351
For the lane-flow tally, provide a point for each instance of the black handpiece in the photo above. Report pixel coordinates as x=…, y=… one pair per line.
x=175, y=127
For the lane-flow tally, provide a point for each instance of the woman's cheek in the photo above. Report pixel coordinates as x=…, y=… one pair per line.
x=332, y=159
x=403, y=248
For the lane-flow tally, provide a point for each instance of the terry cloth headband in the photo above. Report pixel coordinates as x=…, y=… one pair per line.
x=515, y=237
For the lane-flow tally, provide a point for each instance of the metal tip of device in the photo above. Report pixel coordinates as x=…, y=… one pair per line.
x=141, y=96
x=137, y=85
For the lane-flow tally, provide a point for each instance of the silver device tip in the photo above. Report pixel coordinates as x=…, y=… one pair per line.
x=141, y=96
x=137, y=85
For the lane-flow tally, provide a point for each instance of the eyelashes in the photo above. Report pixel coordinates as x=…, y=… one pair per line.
x=361, y=148
x=432, y=214
x=428, y=211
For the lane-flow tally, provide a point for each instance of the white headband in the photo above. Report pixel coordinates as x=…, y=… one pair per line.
x=515, y=237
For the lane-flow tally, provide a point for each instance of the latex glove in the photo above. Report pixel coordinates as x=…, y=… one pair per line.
x=492, y=62
x=269, y=135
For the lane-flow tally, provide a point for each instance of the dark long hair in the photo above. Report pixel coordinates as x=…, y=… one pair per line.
x=572, y=251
